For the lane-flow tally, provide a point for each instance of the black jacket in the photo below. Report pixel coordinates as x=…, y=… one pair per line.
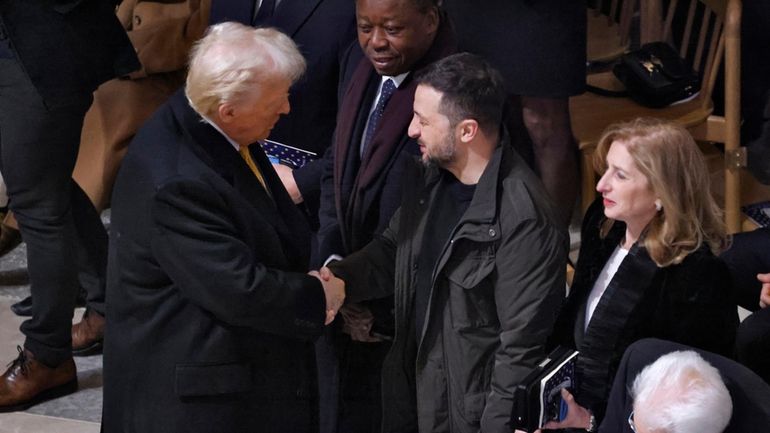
x=496, y=289
x=68, y=47
x=690, y=303
x=210, y=310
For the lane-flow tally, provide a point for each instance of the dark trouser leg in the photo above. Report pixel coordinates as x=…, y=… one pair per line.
x=555, y=152
x=328, y=380
x=92, y=243
x=38, y=147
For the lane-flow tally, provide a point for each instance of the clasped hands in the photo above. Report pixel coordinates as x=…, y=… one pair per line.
x=334, y=291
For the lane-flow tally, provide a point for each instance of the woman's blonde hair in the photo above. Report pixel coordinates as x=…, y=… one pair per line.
x=674, y=167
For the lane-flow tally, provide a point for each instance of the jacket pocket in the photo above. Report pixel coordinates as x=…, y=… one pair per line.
x=195, y=380
x=473, y=407
x=471, y=294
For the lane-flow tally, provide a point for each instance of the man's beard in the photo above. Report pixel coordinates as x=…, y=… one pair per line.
x=445, y=154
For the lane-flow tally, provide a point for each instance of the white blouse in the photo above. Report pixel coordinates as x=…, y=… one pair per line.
x=609, y=270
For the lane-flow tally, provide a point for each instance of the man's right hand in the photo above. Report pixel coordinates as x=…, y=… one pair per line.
x=334, y=290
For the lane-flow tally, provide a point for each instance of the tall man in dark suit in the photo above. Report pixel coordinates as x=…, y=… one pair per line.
x=211, y=313
x=53, y=54
x=323, y=31
x=364, y=175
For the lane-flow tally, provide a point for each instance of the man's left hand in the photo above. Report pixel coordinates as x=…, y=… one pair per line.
x=287, y=179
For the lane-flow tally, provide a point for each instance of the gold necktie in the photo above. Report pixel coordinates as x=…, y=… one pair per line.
x=244, y=151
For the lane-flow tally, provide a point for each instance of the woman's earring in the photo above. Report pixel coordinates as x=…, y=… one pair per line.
x=658, y=205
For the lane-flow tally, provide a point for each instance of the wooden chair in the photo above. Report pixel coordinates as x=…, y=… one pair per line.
x=718, y=38
x=608, y=27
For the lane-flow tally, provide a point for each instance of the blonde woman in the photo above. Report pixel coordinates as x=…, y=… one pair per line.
x=647, y=265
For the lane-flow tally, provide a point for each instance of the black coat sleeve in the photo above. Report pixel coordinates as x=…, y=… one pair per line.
x=195, y=242
x=697, y=307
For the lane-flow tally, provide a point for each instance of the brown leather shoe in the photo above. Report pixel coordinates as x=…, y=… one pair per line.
x=10, y=238
x=88, y=334
x=28, y=382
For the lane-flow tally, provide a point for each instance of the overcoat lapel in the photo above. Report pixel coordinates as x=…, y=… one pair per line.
x=215, y=151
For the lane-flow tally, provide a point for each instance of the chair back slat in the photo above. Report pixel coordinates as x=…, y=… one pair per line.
x=669, y=20
x=704, y=27
x=687, y=30
x=708, y=85
x=712, y=51
x=719, y=7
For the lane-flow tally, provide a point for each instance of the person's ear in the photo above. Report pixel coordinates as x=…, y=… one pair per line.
x=226, y=112
x=468, y=129
x=432, y=20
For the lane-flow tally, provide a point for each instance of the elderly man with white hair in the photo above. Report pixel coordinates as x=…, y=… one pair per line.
x=680, y=393
x=210, y=311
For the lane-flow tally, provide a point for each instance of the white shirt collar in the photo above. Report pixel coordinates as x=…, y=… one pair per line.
x=397, y=80
x=215, y=126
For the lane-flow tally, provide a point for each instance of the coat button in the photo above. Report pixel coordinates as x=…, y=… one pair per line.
x=492, y=232
x=422, y=201
x=137, y=20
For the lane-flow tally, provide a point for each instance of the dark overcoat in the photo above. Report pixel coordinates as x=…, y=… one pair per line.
x=210, y=312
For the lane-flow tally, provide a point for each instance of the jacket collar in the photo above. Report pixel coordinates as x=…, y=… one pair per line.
x=213, y=149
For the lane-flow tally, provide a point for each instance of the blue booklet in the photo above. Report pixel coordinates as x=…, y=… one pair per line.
x=759, y=213
x=280, y=153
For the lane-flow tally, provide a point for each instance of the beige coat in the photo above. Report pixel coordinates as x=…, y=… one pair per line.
x=162, y=33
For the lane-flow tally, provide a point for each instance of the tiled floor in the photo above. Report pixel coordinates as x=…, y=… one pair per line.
x=76, y=413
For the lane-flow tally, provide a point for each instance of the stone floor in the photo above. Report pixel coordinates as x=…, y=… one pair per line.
x=76, y=413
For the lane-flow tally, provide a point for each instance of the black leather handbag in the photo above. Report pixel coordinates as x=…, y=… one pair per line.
x=655, y=76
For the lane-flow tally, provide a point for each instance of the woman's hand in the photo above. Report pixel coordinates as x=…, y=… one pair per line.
x=577, y=415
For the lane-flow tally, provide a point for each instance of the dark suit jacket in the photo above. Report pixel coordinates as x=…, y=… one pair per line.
x=210, y=311
x=358, y=196
x=323, y=30
x=690, y=303
x=750, y=395
x=68, y=47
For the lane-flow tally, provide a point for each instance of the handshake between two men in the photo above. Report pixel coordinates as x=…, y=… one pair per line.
x=334, y=291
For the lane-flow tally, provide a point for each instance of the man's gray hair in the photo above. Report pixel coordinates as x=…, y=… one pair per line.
x=232, y=61
x=682, y=393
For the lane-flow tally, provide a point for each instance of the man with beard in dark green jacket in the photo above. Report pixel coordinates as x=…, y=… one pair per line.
x=474, y=257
